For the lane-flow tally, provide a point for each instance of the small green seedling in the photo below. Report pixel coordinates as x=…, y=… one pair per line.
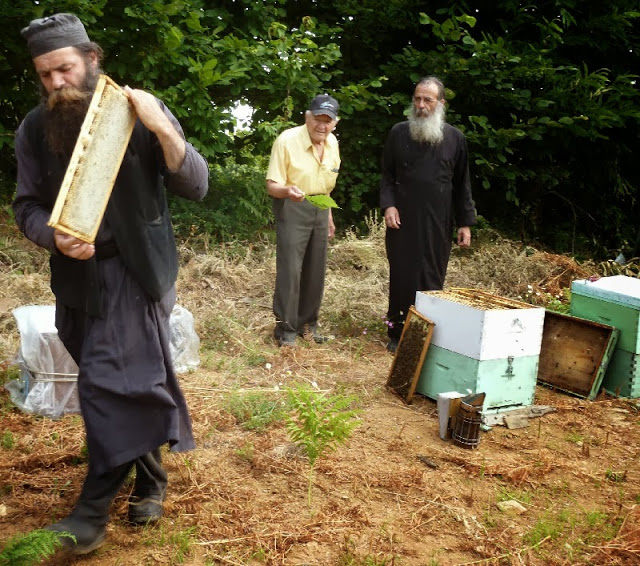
x=319, y=423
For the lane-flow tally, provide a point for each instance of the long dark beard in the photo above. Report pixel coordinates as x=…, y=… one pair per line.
x=66, y=109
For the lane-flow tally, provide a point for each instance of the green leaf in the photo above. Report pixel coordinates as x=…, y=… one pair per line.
x=469, y=20
x=210, y=64
x=322, y=201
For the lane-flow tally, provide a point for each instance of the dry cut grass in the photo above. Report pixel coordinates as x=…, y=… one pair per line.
x=241, y=497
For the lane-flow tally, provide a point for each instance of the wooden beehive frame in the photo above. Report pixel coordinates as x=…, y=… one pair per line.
x=94, y=163
x=483, y=300
x=406, y=367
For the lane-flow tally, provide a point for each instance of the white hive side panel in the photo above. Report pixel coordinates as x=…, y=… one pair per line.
x=458, y=327
x=512, y=332
x=482, y=327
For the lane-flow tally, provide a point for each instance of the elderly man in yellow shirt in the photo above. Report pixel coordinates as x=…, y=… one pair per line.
x=305, y=160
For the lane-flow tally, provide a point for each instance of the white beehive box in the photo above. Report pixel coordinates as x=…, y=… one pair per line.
x=480, y=325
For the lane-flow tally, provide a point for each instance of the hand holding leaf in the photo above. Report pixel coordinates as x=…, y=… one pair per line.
x=322, y=201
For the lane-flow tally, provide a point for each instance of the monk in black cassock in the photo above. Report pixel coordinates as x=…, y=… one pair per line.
x=114, y=297
x=425, y=183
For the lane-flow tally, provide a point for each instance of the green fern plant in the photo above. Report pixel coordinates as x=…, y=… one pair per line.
x=31, y=548
x=319, y=423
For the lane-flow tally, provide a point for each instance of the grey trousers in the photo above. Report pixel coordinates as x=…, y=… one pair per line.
x=302, y=232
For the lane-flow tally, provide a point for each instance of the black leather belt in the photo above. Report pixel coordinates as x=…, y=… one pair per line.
x=106, y=251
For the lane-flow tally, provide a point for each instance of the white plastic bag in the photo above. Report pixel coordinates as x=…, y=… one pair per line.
x=48, y=383
x=185, y=344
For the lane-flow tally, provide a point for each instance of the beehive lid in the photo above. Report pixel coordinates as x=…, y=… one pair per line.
x=575, y=353
x=618, y=289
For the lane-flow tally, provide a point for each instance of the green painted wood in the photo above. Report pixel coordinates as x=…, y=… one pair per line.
x=624, y=318
x=620, y=289
x=623, y=374
x=507, y=382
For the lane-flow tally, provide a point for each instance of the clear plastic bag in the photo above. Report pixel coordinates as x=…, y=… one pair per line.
x=185, y=344
x=48, y=382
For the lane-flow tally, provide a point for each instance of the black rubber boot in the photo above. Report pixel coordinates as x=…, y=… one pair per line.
x=394, y=333
x=150, y=488
x=90, y=515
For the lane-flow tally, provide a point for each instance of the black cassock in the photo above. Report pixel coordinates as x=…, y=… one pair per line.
x=429, y=185
x=130, y=397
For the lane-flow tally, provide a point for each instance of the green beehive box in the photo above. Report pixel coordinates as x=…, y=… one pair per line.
x=623, y=374
x=614, y=301
x=507, y=382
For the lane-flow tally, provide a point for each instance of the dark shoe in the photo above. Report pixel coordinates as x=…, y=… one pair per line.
x=145, y=510
x=312, y=331
x=88, y=537
x=90, y=515
x=392, y=345
x=284, y=338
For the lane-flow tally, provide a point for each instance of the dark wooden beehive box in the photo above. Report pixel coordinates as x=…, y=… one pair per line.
x=575, y=353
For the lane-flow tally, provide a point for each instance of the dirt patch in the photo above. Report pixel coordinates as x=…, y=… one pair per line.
x=394, y=494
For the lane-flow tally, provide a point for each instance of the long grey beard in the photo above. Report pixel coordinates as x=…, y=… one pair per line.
x=427, y=129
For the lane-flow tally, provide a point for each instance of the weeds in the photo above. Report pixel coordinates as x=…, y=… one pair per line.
x=547, y=526
x=246, y=452
x=255, y=411
x=560, y=302
x=31, y=548
x=181, y=541
x=574, y=437
x=8, y=372
x=575, y=531
x=319, y=423
x=615, y=477
x=7, y=441
x=350, y=557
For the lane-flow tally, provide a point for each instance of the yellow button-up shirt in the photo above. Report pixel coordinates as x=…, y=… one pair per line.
x=295, y=162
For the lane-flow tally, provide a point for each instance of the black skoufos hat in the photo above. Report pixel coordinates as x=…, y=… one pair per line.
x=54, y=32
x=325, y=104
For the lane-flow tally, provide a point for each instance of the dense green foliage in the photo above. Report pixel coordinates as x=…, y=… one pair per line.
x=236, y=206
x=546, y=93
